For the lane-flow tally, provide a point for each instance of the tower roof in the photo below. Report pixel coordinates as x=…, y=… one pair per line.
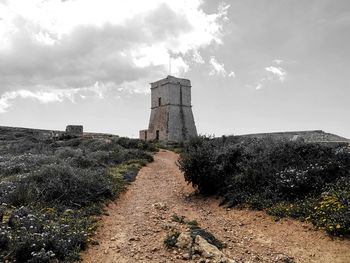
x=171, y=79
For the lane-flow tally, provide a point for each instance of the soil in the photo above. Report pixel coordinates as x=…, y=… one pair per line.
x=134, y=227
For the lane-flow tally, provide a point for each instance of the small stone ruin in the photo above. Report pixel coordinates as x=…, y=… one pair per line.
x=74, y=130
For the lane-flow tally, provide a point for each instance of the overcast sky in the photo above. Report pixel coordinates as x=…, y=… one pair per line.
x=255, y=65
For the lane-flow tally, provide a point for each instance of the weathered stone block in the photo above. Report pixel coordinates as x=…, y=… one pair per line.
x=74, y=130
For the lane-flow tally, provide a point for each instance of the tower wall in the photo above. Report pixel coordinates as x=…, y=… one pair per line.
x=171, y=111
x=158, y=122
x=181, y=124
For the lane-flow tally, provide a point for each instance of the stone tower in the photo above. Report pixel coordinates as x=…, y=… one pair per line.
x=171, y=111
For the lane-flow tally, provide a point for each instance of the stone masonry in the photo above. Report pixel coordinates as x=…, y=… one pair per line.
x=74, y=130
x=171, y=117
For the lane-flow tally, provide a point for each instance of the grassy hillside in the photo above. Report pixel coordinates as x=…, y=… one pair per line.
x=308, y=181
x=52, y=189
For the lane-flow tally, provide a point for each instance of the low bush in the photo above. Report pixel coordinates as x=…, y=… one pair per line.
x=41, y=235
x=332, y=210
x=63, y=184
x=171, y=239
x=286, y=178
x=52, y=189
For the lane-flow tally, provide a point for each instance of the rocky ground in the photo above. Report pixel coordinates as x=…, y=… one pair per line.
x=135, y=226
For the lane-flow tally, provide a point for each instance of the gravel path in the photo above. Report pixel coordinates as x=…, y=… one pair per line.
x=133, y=229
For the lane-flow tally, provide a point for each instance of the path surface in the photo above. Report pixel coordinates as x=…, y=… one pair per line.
x=134, y=230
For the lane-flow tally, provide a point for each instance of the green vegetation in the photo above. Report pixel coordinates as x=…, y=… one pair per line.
x=51, y=191
x=178, y=219
x=308, y=181
x=171, y=239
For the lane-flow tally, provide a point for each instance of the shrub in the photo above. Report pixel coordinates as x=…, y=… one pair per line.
x=66, y=185
x=51, y=191
x=178, y=219
x=286, y=178
x=40, y=236
x=68, y=152
x=198, y=164
x=332, y=211
x=171, y=239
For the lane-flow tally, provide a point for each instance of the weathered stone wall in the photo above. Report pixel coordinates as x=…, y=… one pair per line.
x=180, y=95
x=74, y=130
x=143, y=135
x=171, y=80
x=158, y=122
x=159, y=92
x=181, y=125
x=171, y=112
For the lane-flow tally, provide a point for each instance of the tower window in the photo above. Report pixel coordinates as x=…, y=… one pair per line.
x=159, y=101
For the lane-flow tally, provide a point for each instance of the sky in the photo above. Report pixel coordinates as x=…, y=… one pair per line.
x=255, y=65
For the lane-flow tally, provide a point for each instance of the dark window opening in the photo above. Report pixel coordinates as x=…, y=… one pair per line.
x=145, y=135
x=159, y=101
x=157, y=135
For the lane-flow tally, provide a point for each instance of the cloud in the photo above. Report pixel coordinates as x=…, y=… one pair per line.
x=232, y=74
x=197, y=58
x=219, y=69
x=260, y=85
x=46, y=44
x=277, y=61
x=216, y=67
x=277, y=71
x=46, y=95
x=273, y=73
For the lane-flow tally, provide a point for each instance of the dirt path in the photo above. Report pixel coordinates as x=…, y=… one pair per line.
x=134, y=230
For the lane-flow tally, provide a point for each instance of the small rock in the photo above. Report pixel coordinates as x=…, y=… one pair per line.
x=184, y=240
x=160, y=206
x=170, y=226
x=209, y=251
x=94, y=242
x=186, y=256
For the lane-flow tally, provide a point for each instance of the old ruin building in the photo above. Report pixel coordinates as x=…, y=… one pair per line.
x=171, y=117
x=74, y=130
